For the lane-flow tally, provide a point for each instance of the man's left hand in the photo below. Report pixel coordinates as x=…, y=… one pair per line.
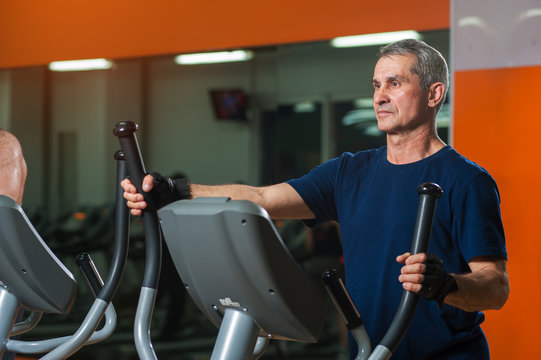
x=412, y=273
x=425, y=274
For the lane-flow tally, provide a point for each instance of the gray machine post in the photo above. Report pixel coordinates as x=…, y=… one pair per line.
x=9, y=306
x=241, y=275
x=237, y=336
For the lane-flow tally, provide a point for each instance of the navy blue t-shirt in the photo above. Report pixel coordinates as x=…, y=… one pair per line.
x=375, y=203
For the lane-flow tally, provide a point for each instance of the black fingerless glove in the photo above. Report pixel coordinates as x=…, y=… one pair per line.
x=437, y=284
x=167, y=190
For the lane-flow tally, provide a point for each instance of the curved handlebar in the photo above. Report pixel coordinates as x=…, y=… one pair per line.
x=122, y=226
x=104, y=292
x=125, y=131
x=429, y=193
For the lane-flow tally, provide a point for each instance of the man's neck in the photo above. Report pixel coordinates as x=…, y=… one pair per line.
x=411, y=148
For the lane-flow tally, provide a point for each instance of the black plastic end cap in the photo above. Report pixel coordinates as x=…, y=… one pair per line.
x=330, y=275
x=429, y=188
x=125, y=128
x=82, y=259
x=119, y=155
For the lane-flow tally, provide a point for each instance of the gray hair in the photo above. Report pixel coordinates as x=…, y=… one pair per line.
x=430, y=66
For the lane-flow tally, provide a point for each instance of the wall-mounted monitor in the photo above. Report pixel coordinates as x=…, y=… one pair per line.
x=229, y=104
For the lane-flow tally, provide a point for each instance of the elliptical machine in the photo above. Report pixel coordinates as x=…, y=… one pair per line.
x=242, y=277
x=33, y=278
x=254, y=292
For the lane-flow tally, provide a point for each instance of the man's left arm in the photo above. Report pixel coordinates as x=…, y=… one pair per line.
x=485, y=287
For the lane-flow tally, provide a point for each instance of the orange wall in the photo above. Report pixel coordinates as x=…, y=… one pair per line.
x=36, y=32
x=496, y=119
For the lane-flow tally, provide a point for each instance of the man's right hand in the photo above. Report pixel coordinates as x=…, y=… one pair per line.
x=135, y=200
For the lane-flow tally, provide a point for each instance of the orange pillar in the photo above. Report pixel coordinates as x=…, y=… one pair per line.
x=497, y=109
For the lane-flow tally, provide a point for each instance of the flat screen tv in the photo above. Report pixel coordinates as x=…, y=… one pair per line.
x=229, y=104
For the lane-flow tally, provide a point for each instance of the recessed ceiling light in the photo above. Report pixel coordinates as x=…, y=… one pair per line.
x=214, y=57
x=374, y=39
x=81, y=65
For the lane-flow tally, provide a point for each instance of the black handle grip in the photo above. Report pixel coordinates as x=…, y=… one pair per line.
x=125, y=131
x=428, y=196
x=429, y=193
x=90, y=273
x=340, y=296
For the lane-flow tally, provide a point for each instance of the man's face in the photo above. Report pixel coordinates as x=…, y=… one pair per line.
x=399, y=102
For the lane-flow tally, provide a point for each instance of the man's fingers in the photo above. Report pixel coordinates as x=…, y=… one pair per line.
x=134, y=198
x=135, y=212
x=416, y=268
x=408, y=259
x=136, y=204
x=402, y=258
x=411, y=282
x=411, y=278
x=417, y=258
x=148, y=183
x=127, y=186
x=412, y=273
x=414, y=288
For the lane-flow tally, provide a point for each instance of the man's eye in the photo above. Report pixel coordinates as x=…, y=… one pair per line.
x=395, y=83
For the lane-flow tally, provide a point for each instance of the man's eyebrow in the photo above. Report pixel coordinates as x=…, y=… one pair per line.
x=390, y=79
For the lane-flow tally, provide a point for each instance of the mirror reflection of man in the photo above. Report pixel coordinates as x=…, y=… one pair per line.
x=12, y=177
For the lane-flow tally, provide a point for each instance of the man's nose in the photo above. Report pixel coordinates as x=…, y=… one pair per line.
x=380, y=97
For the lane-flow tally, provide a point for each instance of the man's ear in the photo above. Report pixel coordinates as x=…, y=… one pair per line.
x=436, y=94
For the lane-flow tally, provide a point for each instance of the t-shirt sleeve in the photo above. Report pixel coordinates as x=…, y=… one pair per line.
x=317, y=189
x=477, y=222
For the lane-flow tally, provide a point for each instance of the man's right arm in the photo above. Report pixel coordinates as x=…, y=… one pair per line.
x=281, y=201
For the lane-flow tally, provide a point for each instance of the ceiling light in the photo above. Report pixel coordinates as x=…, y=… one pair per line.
x=374, y=39
x=361, y=103
x=81, y=65
x=358, y=116
x=529, y=14
x=304, y=107
x=214, y=57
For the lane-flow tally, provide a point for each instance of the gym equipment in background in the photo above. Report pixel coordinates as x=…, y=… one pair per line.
x=33, y=278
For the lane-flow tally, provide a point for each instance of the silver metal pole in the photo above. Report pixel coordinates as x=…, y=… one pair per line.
x=237, y=336
x=9, y=306
x=141, y=329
